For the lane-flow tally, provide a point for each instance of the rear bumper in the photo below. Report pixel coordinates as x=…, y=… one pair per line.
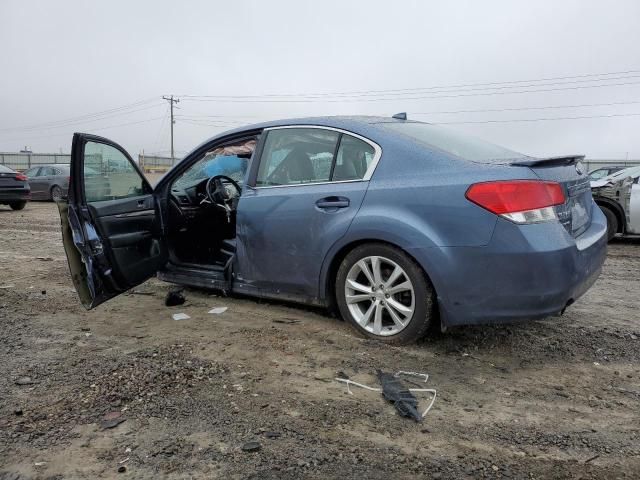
x=526, y=272
x=14, y=194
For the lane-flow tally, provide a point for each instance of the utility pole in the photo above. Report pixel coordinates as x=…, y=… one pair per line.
x=171, y=101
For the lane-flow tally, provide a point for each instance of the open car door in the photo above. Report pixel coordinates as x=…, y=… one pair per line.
x=110, y=225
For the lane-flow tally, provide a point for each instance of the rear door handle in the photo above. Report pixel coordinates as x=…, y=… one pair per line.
x=332, y=202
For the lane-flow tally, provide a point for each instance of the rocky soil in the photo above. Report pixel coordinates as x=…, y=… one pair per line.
x=125, y=391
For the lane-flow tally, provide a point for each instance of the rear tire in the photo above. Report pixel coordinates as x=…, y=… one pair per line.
x=17, y=205
x=56, y=193
x=384, y=294
x=612, y=222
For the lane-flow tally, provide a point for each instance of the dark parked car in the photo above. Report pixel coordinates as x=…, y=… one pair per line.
x=602, y=172
x=48, y=182
x=14, y=189
x=51, y=182
x=400, y=224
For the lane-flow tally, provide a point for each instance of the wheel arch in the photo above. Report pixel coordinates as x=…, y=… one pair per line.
x=332, y=264
x=617, y=210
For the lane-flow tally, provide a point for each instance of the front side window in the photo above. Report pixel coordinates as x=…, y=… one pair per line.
x=229, y=160
x=294, y=156
x=109, y=175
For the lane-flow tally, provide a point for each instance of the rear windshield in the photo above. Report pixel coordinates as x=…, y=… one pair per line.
x=454, y=143
x=4, y=169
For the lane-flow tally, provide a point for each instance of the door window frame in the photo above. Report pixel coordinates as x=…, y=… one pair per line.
x=77, y=189
x=252, y=180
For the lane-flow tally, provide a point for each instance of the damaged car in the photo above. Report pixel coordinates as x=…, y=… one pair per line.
x=618, y=196
x=396, y=224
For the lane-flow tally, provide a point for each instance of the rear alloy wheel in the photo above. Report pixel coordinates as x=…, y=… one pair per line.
x=384, y=294
x=17, y=205
x=612, y=222
x=56, y=193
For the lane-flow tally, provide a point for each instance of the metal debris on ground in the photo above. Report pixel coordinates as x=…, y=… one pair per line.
x=218, y=310
x=174, y=298
x=180, y=316
x=393, y=390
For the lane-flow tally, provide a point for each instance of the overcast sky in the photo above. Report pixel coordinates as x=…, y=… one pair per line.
x=64, y=60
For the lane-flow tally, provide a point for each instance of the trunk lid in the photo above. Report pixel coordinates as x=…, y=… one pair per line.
x=575, y=213
x=8, y=180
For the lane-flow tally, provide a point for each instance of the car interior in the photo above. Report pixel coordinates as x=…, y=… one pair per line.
x=202, y=207
x=204, y=199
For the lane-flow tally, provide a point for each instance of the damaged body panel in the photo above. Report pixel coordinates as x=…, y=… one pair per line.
x=618, y=196
x=396, y=223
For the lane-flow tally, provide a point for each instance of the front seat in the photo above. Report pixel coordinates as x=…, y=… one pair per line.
x=297, y=167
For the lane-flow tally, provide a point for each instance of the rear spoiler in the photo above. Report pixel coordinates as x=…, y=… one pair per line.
x=549, y=161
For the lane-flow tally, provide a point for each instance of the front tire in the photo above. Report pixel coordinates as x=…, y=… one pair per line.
x=612, y=222
x=17, y=205
x=384, y=294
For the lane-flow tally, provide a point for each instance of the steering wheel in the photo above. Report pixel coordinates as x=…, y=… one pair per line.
x=217, y=192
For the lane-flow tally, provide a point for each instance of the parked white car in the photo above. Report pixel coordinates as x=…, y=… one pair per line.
x=618, y=196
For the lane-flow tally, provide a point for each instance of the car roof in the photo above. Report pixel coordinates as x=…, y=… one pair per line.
x=361, y=124
x=57, y=165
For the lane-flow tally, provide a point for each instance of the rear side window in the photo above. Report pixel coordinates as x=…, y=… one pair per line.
x=353, y=160
x=108, y=174
x=46, y=171
x=454, y=143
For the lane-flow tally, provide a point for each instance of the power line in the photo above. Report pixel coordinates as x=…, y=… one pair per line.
x=342, y=100
x=538, y=119
x=447, y=86
x=527, y=108
x=94, y=130
x=83, y=122
x=88, y=115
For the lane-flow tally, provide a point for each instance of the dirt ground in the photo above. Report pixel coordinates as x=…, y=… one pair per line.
x=558, y=398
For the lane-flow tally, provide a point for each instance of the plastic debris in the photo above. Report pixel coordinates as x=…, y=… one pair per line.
x=174, y=298
x=286, y=321
x=218, y=310
x=394, y=391
x=180, y=316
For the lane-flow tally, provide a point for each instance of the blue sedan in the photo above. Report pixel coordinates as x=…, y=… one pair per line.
x=399, y=225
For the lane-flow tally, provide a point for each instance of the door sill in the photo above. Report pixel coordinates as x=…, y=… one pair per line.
x=209, y=277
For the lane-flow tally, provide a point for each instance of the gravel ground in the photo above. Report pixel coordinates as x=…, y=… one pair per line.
x=125, y=387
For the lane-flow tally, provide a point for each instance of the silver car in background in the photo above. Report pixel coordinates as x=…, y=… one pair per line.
x=51, y=182
x=48, y=182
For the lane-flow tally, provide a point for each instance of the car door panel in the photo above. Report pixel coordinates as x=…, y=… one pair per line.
x=129, y=227
x=111, y=236
x=284, y=234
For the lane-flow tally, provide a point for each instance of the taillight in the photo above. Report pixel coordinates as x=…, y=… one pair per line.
x=521, y=201
x=21, y=177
